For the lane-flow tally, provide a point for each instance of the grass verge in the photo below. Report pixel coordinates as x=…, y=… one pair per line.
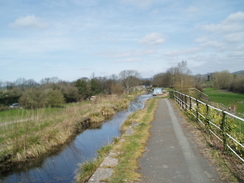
x=133, y=146
x=89, y=167
x=127, y=148
x=24, y=141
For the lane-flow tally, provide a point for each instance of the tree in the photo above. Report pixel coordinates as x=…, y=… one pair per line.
x=54, y=98
x=33, y=99
x=237, y=84
x=161, y=80
x=179, y=77
x=96, y=86
x=83, y=88
x=222, y=80
x=71, y=94
x=129, y=78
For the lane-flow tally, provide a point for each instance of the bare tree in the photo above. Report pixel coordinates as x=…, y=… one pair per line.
x=223, y=79
x=129, y=78
x=179, y=77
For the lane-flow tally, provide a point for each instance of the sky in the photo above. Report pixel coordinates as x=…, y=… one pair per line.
x=70, y=39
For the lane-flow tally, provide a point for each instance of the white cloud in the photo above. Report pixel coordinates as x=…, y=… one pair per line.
x=152, y=39
x=129, y=60
x=36, y=45
x=192, y=9
x=29, y=21
x=182, y=52
x=206, y=42
x=234, y=37
x=234, y=22
x=140, y=3
x=131, y=53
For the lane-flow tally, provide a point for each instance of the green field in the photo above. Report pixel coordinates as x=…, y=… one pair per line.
x=226, y=98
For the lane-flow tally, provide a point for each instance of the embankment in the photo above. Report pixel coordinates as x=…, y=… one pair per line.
x=46, y=134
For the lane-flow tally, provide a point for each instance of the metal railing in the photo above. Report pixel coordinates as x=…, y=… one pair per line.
x=226, y=127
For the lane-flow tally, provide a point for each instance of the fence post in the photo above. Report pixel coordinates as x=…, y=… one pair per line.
x=185, y=102
x=207, y=118
x=197, y=110
x=190, y=104
x=223, y=128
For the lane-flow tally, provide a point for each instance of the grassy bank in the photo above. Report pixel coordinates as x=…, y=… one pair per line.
x=134, y=145
x=226, y=98
x=128, y=150
x=45, y=129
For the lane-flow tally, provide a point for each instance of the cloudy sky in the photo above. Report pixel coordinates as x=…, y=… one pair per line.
x=70, y=39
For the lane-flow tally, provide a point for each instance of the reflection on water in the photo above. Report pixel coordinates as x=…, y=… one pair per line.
x=61, y=167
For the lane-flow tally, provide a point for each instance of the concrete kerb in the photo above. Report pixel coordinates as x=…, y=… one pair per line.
x=105, y=170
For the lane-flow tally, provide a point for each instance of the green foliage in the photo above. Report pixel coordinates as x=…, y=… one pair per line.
x=8, y=97
x=71, y=94
x=96, y=88
x=227, y=124
x=33, y=99
x=83, y=88
x=54, y=98
x=37, y=98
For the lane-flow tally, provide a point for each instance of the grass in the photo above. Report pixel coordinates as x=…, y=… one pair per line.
x=89, y=167
x=129, y=149
x=46, y=129
x=134, y=145
x=226, y=98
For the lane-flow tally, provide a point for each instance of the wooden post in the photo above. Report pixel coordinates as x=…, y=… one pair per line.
x=223, y=128
x=207, y=118
x=197, y=110
x=190, y=104
x=182, y=100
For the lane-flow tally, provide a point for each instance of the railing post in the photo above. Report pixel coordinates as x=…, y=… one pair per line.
x=223, y=128
x=197, y=110
x=182, y=101
x=190, y=104
x=207, y=118
x=185, y=102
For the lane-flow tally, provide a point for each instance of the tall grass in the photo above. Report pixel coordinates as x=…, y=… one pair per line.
x=45, y=129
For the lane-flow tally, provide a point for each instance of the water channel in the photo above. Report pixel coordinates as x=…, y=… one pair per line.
x=62, y=167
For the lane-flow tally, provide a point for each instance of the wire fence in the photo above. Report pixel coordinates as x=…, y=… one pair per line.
x=226, y=127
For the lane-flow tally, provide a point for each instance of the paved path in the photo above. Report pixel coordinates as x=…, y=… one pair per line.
x=171, y=156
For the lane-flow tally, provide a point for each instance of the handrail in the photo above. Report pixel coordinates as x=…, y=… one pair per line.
x=192, y=106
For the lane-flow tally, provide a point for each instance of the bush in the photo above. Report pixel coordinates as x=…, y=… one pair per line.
x=54, y=99
x=36, y=98
x=71, y=94
x=33, y=99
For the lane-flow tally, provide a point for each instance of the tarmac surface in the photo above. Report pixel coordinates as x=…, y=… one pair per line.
x=171, y=155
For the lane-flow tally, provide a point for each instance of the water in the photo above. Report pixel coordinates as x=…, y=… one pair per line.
x=61, y=167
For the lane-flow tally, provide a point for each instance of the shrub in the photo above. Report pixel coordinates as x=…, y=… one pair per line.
x=33, y=99
x=54, y=98
x=36, y=98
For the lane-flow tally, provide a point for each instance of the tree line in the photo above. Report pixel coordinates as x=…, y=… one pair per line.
x=180, y=78
x=53, y=92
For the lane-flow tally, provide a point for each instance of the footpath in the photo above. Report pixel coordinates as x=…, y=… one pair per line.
x=171, y=155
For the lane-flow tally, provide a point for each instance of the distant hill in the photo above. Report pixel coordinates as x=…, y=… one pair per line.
x=239, y=72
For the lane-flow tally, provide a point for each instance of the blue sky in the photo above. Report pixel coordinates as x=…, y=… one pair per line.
x=70, y=39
